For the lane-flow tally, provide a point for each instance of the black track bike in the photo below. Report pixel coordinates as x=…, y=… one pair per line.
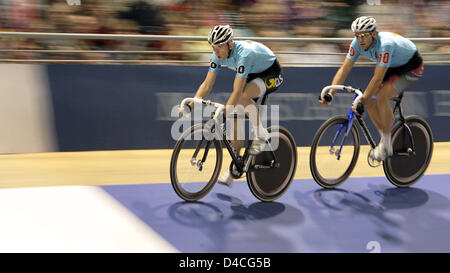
x=197, y=159
x=336, y=145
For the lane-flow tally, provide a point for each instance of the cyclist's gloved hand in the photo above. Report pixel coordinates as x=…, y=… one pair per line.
x=360, y=109
x=326, y=99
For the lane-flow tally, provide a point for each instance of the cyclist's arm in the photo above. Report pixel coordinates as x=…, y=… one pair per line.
x=350, y=59
x=205, y=87
x=238, y=89
x=342, y=74
x=243, y=68
x=374, y=83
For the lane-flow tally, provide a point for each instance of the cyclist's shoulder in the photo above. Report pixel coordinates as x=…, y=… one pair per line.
x=390, y=38
x=386, y=37
x=252, y=46
x=386, y=41
x=252, y=51
x=243, y=48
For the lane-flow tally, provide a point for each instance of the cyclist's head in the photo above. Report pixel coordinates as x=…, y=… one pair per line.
x=364, y=28
x=221, y=40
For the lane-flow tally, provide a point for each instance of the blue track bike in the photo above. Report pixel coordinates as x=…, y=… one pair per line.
x=336, y=146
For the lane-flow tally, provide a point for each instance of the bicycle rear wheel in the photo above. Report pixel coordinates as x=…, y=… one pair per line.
x=195, y=163
x=403, y=169
x=268, y=184
x=329, y=164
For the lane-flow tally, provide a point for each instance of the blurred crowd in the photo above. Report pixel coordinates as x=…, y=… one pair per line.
x=249, y=18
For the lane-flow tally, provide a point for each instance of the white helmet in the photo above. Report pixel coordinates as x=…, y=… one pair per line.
x=220, y=35
x=364, y=23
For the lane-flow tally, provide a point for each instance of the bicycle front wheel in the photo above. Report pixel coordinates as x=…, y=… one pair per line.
x=195, y=163
x=404, y=168
x=268, y=184
x=333, y=153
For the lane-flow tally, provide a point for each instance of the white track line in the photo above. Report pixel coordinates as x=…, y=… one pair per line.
x=71, y=219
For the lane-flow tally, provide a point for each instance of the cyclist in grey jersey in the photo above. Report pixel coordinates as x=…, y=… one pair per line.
x=399, y=64
x=257, y=72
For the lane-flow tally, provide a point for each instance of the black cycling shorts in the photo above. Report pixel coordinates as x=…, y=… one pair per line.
x=403, y=76
x=272, y=77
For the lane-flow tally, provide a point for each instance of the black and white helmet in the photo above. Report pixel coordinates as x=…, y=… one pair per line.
x=364, y=23
x=220, y=34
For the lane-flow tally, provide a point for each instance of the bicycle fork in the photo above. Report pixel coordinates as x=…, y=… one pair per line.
x=199, y=163
x=348, y=127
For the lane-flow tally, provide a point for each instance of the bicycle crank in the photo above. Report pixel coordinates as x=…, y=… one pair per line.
x=235, y=173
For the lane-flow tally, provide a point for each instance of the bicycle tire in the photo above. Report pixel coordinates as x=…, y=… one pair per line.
x=174, y=177
x=260, y=182
x=313, y=157
x=403, y=171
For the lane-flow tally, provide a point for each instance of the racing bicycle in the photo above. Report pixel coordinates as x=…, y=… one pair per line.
x=336, y=145
x=197, y=158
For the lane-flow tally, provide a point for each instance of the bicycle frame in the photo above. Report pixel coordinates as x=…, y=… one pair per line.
x=398, y=108
x=351, y=117
x=242, y=165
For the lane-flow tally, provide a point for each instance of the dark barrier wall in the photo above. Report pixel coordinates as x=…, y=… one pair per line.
x=128, y=107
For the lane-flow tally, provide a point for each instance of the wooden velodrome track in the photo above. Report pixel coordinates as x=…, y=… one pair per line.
x=145, y=166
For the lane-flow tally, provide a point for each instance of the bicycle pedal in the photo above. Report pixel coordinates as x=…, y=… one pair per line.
x=234, y=171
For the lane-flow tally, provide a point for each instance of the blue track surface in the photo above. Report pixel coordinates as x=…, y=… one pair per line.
x=361, y=213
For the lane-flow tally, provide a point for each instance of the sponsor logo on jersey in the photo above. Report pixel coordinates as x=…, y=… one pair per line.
x=274, y=82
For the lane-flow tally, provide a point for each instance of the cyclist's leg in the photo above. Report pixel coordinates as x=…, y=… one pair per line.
x=372, y=109
x=394, y=85
x=256, y=89
x=251, y=90
x=380, y=113
x=257, y=85
x=386, y=93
